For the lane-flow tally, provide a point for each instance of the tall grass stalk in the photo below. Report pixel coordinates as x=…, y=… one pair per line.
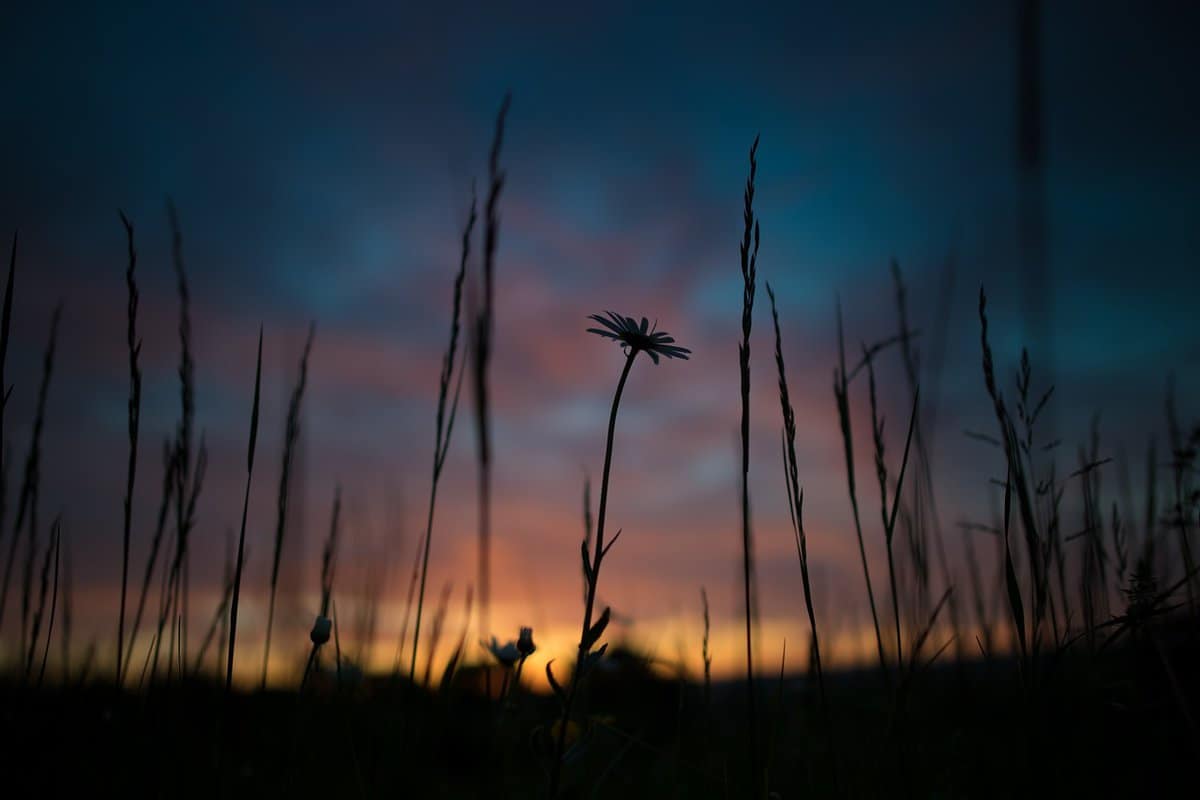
x=170, y=465
x=291, y=435
x=214, y=626
x=171, y=605
x=705, y=654
x=923, y=491
x=484, y=333
x=186, y=484
x=445, y=425
x=329, y=553
x=1182, y=456
x=435, y=630
x=460, y=648
x=408, y=603
x=795, y=497
x=748, y=252
x=1018, y=484
x=888, y=517
x=56, y=540
x=163, y=609
x=841, y=392
x=135, y=405
x=227, y=579
x=5, y=322
x=27, y=503
x=67, y=609
x=36, y=631
x=328, y=562
x=241, y=550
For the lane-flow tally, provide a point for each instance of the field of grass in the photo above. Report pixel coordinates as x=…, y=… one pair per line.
x=1072, y=671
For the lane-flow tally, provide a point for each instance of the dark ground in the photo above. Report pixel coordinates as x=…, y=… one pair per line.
x=1110, y=725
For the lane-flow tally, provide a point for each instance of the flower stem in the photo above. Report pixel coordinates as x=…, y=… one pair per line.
x=594, y=579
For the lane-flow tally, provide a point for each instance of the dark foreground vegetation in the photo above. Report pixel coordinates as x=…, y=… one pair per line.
x=1106, y=726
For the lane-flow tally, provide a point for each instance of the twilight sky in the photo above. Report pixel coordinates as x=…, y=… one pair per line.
x=322, y=163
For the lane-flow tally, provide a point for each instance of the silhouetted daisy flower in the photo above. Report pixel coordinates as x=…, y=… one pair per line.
x=634, y=337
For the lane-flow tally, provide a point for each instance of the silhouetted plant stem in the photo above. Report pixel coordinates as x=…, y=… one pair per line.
x=888, y=517
x=170, y=465
x=588, y=635
x=484, y=333
x=177, y=594
x=444, y=427
x=749, y=261
x=56, y=540
x=841, y=395
x=924, y=487
x=435, y=631
x=241, y=551
x=796, y=511
x=408, y=602
x=328, y=561
x=135, y=405
x=587, y=527
x=1017, y=483
x=35, y=633
x=27, y=503
x=65, y=627
x=291, y=435
x=706, y=655
x=221, y=613
x=227, y=579
x=4, y=388
x=172, y=607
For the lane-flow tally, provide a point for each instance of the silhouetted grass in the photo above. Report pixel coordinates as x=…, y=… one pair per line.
x=445, y=425
x=5, y=325
x=484, y=327
x=135, y=406
x=888, y=517
x=189, y=476
x=241, y=551
x=841, y=393
x=1099, y=702
x=291, y=436
x=35, y=633
x=27, y=504
x=749, y=263
x=795, y=496
x=170, y=466
x=56, y=542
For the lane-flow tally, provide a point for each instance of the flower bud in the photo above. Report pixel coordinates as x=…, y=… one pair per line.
x=321, y=630
x=525, y=645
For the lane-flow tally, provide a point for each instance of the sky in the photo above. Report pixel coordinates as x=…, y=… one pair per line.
x=322, y=160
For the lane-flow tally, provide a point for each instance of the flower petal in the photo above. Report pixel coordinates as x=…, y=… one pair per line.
x=605, y=323
x=620, y=321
